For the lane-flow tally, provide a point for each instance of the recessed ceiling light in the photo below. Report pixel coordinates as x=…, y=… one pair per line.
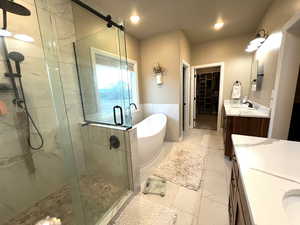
x=135, y=19
x=24, y=37
x=218, y=25
x=5, y=33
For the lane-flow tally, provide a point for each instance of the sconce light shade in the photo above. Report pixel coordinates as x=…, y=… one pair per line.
x=251, y=48
x=159, y=79
x=260, y=38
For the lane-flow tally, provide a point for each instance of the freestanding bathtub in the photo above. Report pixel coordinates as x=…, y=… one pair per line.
x=151, y=133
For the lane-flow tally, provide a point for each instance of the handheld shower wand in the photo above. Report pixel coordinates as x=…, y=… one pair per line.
x=20, y=100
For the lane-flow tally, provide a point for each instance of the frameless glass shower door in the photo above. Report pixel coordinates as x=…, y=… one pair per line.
x=105, y=91
x=103, y=70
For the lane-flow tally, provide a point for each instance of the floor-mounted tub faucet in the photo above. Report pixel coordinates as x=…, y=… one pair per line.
x=133, y=105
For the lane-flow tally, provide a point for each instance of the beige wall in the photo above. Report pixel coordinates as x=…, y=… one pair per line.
x=231, y=51
x=279, y=13
x=185, y=48
x=168, y=49
x=276, y=16
x=163, y=49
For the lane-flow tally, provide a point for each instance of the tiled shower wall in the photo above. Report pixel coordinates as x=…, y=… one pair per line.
x=28, y=175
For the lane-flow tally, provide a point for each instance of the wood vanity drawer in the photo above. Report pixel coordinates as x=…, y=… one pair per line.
x=244, y=126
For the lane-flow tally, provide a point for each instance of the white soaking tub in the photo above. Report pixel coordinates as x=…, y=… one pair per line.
x=151, y=133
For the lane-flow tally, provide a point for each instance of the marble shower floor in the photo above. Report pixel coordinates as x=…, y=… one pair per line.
x=208, y=205
x=97, y=196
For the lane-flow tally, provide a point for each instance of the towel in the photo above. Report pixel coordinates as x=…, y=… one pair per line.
x=236, y=90
x=3, y=109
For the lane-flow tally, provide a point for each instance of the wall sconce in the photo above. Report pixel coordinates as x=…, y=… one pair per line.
x=158, y=73
x=260, y=38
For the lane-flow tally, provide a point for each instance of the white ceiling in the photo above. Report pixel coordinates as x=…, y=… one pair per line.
x=195, y=17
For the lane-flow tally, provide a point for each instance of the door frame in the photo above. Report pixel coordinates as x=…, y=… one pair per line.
x=188, y=92
x=221, y=88
x=285, y=83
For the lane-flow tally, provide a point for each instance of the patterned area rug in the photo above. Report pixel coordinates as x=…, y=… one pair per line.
x=183, y=166
x=144, y=212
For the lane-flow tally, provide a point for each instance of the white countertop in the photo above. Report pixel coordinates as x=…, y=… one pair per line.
x=270, y=169
x=242, y=110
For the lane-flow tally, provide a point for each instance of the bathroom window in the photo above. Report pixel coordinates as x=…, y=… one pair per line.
x=116, y=82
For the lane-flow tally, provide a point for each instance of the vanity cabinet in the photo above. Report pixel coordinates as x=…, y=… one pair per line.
x=237, y=207
x=250, y=126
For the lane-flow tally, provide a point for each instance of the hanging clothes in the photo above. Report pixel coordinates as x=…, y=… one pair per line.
x=236, y=90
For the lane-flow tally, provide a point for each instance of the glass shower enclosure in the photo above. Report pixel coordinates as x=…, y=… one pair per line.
x=83, y=174
x=103, y=71
x=105, y=91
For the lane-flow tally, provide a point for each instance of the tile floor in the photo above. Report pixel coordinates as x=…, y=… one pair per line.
x=207, y=121
x=207, y=206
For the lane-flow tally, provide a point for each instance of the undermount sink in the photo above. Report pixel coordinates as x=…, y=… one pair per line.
x=291, y=204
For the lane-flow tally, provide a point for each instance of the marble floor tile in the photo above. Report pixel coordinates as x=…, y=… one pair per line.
x=215, y=185
x=212, y=213
x=186, y=200
x=184, y=218
x=207, y=206
x=216, y=161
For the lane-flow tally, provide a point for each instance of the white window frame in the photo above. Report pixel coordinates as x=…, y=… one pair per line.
x=94, y=51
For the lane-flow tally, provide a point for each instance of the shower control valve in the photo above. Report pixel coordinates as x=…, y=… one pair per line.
x=114, y=142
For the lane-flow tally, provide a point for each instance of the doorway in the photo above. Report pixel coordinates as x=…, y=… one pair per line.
x=294, y=131
x=185, y=118
x=207, y=93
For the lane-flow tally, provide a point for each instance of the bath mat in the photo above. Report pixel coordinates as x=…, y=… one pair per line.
x=144, y=212
x=155, y=186
x=183, y=167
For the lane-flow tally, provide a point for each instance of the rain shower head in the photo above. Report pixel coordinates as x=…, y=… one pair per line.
x=15, y=8
x=16, y=56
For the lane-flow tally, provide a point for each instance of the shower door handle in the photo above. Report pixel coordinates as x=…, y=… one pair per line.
x=121, y=114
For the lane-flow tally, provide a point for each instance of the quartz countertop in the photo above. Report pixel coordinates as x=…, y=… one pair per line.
x=269, y=170
x=242, y=110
